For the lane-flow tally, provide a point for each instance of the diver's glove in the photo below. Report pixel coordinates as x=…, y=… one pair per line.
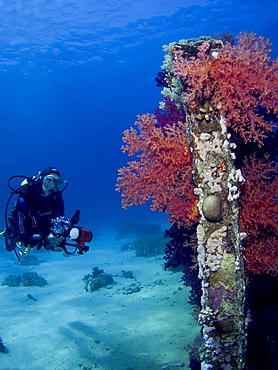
x=55, y=240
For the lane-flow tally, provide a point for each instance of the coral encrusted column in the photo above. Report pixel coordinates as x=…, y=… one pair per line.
x=220, y=255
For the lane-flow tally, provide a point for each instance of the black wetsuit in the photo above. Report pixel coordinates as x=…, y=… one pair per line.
x=30, y=221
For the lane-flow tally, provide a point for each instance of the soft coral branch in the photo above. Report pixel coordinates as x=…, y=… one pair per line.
x=163, y=173
x=258, y=201
x=261, y=255
x=259, y=215
x=239, y=82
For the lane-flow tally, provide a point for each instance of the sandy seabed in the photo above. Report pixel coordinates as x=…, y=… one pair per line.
x=65, y=328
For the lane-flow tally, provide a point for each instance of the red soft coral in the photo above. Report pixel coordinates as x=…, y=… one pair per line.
x=239, y=82
x=258, y=201
x=259, y=215
x=261, y=255
x=164, y=172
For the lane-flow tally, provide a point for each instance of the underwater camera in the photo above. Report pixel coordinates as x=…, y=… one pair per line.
x=65, y=227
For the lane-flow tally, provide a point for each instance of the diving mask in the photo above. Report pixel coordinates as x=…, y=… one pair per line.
x=52, y=183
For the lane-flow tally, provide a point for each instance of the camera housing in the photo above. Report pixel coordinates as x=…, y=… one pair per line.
x=63, y=226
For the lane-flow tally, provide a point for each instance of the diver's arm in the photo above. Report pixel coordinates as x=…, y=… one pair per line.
x=24, y=224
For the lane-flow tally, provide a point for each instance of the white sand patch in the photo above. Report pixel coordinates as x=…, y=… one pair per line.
x=69, y=329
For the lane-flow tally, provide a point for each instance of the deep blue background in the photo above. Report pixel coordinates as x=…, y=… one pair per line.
x=73, y=76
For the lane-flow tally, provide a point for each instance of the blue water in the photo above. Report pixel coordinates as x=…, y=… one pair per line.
x=74, y=75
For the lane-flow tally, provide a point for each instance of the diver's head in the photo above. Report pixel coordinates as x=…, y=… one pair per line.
x=51, y=181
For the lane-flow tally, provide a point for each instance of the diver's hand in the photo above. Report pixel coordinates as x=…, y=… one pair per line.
x=55, y=240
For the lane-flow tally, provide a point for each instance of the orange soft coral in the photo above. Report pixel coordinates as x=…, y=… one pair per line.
x=241, y=81
x=259, y=215
x=163, y=173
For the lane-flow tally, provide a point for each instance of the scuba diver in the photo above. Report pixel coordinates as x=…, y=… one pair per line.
x=37, y=219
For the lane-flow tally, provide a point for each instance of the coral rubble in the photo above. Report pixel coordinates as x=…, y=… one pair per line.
x=3, y=348
x=98, y=279
x=26, y=279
